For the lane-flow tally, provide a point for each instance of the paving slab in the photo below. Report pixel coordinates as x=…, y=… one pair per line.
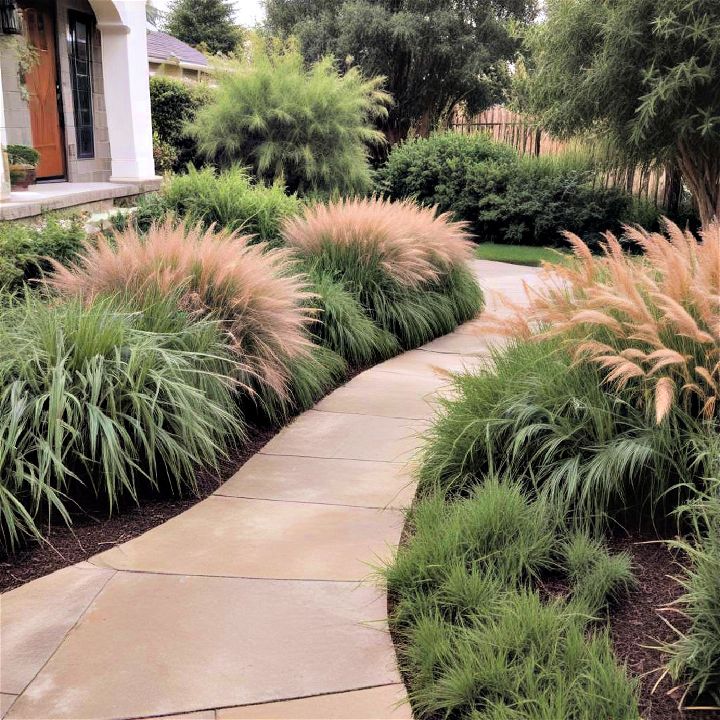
x=162, y=644
x=6, y=700
x=424, y=363
x=380, y=703
x=263, y=539
x=380, y=393
x=350, y=437
x=37, y=616
x=362, y=483
x=200, y=715
x=459, y=343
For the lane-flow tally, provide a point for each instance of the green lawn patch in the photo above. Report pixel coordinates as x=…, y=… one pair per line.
x=518, y=254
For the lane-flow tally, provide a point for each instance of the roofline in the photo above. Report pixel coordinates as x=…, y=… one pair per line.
x=181, y=63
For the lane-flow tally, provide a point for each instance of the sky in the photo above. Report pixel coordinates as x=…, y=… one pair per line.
x=248, y=12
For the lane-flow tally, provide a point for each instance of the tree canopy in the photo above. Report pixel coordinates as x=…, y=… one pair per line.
x=207, y=23
x=644, y=74
x=434, y=54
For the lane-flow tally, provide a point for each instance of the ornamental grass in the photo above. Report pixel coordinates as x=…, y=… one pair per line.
x=253, y=292
x=404, y=264
x=651, y=323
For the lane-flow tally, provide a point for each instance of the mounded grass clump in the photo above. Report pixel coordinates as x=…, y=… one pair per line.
x=404, y=265
x=251, y=291
x=475, y=638
x=230, y=200
x=100, y=401
x=536, y=415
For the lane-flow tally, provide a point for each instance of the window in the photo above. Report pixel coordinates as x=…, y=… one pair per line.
x=80, y=54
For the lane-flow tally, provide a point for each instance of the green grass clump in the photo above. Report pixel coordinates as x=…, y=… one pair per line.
x=230, y=200
x=24, y=249
x=342, y=325
x=475, y=639
x=530, y=255
x=597, y=577
x=695, y=655
x=496, y=529
x=102, y=402
x=539, y=417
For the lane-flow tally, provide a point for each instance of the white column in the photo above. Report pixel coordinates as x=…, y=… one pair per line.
x=127, y=91
x=4, y=167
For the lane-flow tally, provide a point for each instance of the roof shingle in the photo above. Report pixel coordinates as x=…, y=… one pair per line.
x=162, y=46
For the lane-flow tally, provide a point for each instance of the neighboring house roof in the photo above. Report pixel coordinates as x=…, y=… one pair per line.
x=166, y=48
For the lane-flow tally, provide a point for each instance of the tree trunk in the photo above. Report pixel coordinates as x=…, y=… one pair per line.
x=700, y=168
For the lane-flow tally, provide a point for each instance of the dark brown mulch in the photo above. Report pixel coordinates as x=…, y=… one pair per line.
x=636, y=623
x=93, y=531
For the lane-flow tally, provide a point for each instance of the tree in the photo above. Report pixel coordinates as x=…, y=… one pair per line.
x=307, y=127
x=643, y=74
x=207, y=23
x=434, y=54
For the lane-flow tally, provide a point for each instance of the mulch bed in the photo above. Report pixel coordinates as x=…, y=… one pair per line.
x=636, y=625
x=93, y=531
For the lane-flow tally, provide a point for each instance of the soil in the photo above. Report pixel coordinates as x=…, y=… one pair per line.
x=636, y=625
x=93, y=531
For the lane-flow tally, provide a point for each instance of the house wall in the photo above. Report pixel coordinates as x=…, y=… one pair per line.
x=95, y=169
x=17, y=116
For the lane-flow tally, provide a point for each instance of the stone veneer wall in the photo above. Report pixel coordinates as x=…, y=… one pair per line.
x=17, y=116
x=95, y=169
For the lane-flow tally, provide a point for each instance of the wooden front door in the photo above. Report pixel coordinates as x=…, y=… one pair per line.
x=42, y=87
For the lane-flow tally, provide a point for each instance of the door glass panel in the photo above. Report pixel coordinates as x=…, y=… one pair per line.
x=79, y=51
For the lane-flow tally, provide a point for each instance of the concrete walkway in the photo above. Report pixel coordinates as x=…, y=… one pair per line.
x=258, y=602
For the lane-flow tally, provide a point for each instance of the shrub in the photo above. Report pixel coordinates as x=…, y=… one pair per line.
x=404, y=264
x=174, y=104
x=25, y=249
x=230, y=200
x=164, y=154
x=442, y=170
x=96, y=401
x=248, y=289
x=306, y=128
x=505, y=197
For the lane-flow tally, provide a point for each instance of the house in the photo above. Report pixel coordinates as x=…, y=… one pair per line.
x=85, y=105
x=169, y=56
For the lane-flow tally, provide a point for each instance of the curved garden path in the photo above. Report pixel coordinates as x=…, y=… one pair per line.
x=257, y=602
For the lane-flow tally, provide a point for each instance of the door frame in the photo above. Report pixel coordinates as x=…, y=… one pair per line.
x=52, y=10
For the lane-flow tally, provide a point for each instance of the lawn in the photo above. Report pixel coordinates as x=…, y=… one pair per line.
x=518, y=254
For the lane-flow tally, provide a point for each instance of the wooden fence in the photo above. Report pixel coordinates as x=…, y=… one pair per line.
x=657, y=185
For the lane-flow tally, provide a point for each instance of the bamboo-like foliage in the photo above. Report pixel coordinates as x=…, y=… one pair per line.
x=651, y=323
x=309, y=127
x=249, y=289
x=103, y=401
